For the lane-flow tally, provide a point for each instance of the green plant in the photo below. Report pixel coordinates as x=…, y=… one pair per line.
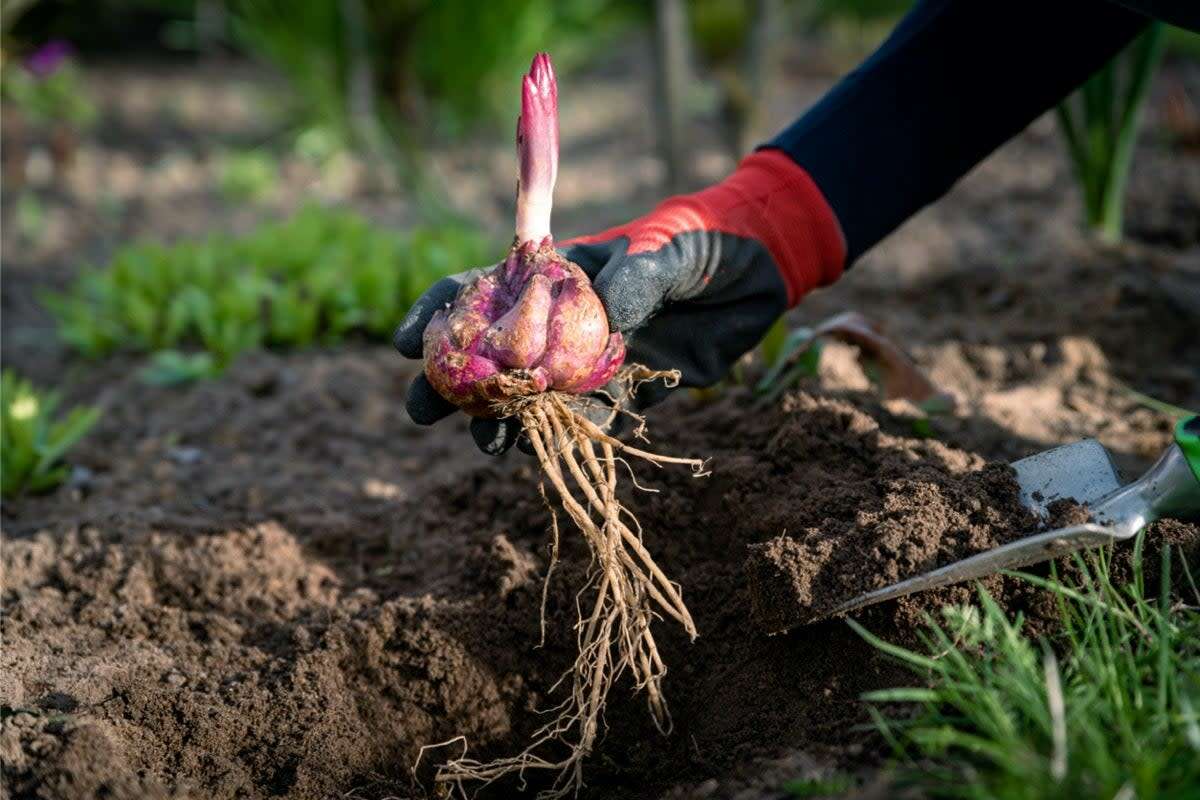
x=792, y=355
x=248, y=175
x=30, y=218
x=1100, y=125
x=860, y=11
x=718, y=28
x=304, y=41
x=54, y=97
x=318, y=277
x=367, y=72
x=173, y=368
x=855, y=27
x=1113, y=714
x=465, y=55
x=34, y=438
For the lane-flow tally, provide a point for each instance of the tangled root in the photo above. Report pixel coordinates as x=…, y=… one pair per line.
x=580, y=462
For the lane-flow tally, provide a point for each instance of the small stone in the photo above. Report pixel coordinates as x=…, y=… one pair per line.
x=185, y=455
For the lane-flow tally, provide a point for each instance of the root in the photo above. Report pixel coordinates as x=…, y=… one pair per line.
x=579, y=460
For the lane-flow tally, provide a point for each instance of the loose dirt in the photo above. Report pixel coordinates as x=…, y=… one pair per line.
x=287, y=655
x=1065, y=512
x=911, y=515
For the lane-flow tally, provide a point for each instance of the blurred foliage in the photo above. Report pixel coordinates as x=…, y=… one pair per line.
x=862, y=11
x=854, y=28
x=34, y=438
x=1100, y=125
x=30, y=219
x=174, y=368
x=469, y=57
x=114, y=26
x=247, y=175
x=59, y=97
x=318, y=277
x=719, y=28
x=428, y=65
x=303, y=42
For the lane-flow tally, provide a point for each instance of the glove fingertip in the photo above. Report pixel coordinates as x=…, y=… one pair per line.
x=403, y=340
x=410, y=333
x=493, y=436
x=424, y=405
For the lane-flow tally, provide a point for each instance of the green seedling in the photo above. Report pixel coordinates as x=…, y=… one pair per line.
x=771, y=346
x=922, y=428
x=173, y=368
x=931, y=408
x=249, y=175
x=797, y=355
x=1100, y=125
x=314, y=279
x=1107, y=709
x=35, y=437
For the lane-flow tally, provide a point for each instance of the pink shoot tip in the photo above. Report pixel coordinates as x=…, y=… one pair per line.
x=537, y=150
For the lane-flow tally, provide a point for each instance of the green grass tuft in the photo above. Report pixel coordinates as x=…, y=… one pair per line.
x=1109, y=709
x=34, y=438
x=316, y=278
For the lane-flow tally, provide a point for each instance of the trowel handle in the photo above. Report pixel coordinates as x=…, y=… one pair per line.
x=1187, y=436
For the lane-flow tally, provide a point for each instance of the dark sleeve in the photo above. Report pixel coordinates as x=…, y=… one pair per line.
x=956, y=79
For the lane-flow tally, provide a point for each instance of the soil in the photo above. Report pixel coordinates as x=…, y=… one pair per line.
x=275, y=585
x=914, y=510
x=191, y=621
x=911, y=515
x=1065, y=512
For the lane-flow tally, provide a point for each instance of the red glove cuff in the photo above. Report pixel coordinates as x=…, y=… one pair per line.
x=769, y=198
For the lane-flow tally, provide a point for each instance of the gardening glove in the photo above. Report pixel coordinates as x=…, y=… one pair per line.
x=692, y=286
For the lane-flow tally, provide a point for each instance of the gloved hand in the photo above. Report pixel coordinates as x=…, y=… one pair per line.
x=692, y=286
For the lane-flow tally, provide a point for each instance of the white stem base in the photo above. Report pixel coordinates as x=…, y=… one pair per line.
x=533, y=219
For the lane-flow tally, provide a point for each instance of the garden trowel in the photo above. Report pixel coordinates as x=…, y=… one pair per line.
x=1084, y=472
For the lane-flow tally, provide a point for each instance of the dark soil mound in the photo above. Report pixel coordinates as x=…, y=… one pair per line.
x=146, y=657
x=913, y=507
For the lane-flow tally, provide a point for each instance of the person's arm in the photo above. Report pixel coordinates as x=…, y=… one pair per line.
x=955, y=80
x=697, y=282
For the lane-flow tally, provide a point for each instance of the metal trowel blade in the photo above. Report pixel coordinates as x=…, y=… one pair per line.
x=1082, y=471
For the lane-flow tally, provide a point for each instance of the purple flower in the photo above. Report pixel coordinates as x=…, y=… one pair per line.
x=44, y=61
